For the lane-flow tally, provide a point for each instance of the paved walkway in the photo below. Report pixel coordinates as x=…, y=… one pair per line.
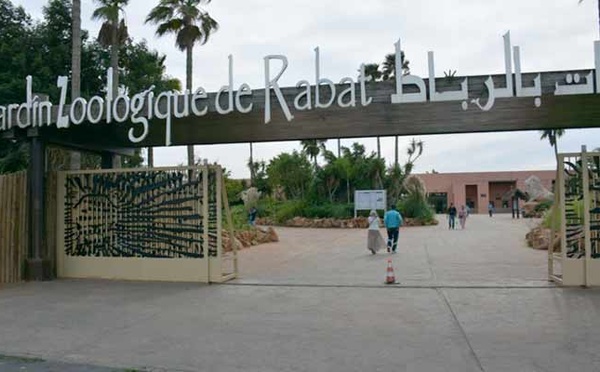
x=468, y=305
x=489, y=252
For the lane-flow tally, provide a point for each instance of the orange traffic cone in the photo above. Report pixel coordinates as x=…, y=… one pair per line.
x=390, y=277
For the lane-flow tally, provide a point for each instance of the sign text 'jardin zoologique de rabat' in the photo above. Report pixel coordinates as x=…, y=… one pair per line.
x=469, y=94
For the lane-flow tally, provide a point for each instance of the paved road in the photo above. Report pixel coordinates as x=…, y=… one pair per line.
x=447, y=323
x=489, y=252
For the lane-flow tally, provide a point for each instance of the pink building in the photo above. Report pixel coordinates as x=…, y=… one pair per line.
x=477, y=189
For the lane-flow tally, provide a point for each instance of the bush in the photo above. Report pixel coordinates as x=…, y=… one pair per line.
x=543, y=206
x=339, y=211
x=553, y=217
x=288, y=210
x=414, y=204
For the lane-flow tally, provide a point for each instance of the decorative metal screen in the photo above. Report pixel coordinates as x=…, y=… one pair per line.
x=593, y=163
x=154, y=213
x=572, y=210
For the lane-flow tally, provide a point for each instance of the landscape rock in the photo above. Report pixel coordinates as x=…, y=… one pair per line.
x=537, y=191
x=539, y=238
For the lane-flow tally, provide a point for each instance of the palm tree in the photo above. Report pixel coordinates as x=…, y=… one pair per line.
x=191, y=25
x=251, y=165
x=113, y=32
x=372, y=71
x=389, y=73
x=76, y=49
x=312, y=148
x=552, y=135
x=389, y=66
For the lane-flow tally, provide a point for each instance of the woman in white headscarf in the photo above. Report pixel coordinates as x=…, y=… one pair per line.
x=374, y=241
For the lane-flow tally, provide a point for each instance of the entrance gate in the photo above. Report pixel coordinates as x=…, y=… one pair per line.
x=578, y=262
x=144, y=224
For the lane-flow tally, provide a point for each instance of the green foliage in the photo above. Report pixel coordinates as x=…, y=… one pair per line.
x=234, y=190
x=552, y=217
x=544, y=206
x=185, y=19
x=293, y=172
x=414, y=204
x=24, y=49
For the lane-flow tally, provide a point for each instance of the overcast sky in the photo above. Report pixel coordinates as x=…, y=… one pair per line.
x=466, y=36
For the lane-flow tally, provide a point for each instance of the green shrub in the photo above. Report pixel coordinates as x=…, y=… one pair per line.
x=544, y=206
x=552, y=217
x=417, y=208
x=288, y=210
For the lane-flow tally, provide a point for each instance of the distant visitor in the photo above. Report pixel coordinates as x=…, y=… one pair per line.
x=392, y=221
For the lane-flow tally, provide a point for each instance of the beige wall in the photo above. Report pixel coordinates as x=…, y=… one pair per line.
x=454, y=184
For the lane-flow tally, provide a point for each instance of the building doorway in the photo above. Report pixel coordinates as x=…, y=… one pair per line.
x=471, y=197
x=497, y=190
x=439, y=201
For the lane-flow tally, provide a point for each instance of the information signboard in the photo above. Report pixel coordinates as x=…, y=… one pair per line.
x=369, y=199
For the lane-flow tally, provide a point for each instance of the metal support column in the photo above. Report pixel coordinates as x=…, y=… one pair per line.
x=38, y=266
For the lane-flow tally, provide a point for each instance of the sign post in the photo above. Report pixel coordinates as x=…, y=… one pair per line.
x=369, y=200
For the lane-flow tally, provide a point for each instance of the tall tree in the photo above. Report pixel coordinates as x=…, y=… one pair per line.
x=389, y=73
x=552, y=135
x=191, y=24
x=113, y=32
x=76, y=49
x=372, y=71
x=389, y=66
x=312, y=149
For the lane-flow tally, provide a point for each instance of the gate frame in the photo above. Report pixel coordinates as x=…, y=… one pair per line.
x=584, y=271
x=143, y=268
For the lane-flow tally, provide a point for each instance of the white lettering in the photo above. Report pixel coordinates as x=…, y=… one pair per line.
x=364, y=100
x=73, y=112
x=62, y=121
x=3, y=117
x=99, y=101
x=244, y=90
x=272, y=84
x=125, y=105
x=137, y=104
x=186, y=105
x=320, y=81
x=200, y=93
x=165, y=115
x=350, y=91
x=48, y=107
x=306, y=93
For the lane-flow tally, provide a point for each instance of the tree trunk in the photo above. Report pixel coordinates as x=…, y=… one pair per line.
x=188, y=86
x=150, y=157
x=396, y=152
x=252, y=175
x=339, y=148
x=378, y=148
x=348, y=189
x=76, y=50
x=114, y=56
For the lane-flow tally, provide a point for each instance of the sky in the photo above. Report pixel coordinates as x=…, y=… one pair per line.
x=466, y=36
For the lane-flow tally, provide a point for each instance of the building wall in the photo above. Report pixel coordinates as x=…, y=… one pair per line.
x=454, y=184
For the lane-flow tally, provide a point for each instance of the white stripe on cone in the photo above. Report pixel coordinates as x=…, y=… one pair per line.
x=390, y=278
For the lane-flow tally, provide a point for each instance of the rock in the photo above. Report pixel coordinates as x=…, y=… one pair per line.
x=539, y=238
x=537, y=191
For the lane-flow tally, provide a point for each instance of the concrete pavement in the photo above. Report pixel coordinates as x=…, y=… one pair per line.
x=466, y=315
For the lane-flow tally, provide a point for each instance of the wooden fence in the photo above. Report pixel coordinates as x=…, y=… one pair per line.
x=13, y=226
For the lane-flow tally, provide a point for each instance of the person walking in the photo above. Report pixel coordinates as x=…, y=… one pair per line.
x=252, y=216
x=392, y=220
x=462, y=217
x=374, y=239
x=451, y=216
x=491, y=208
